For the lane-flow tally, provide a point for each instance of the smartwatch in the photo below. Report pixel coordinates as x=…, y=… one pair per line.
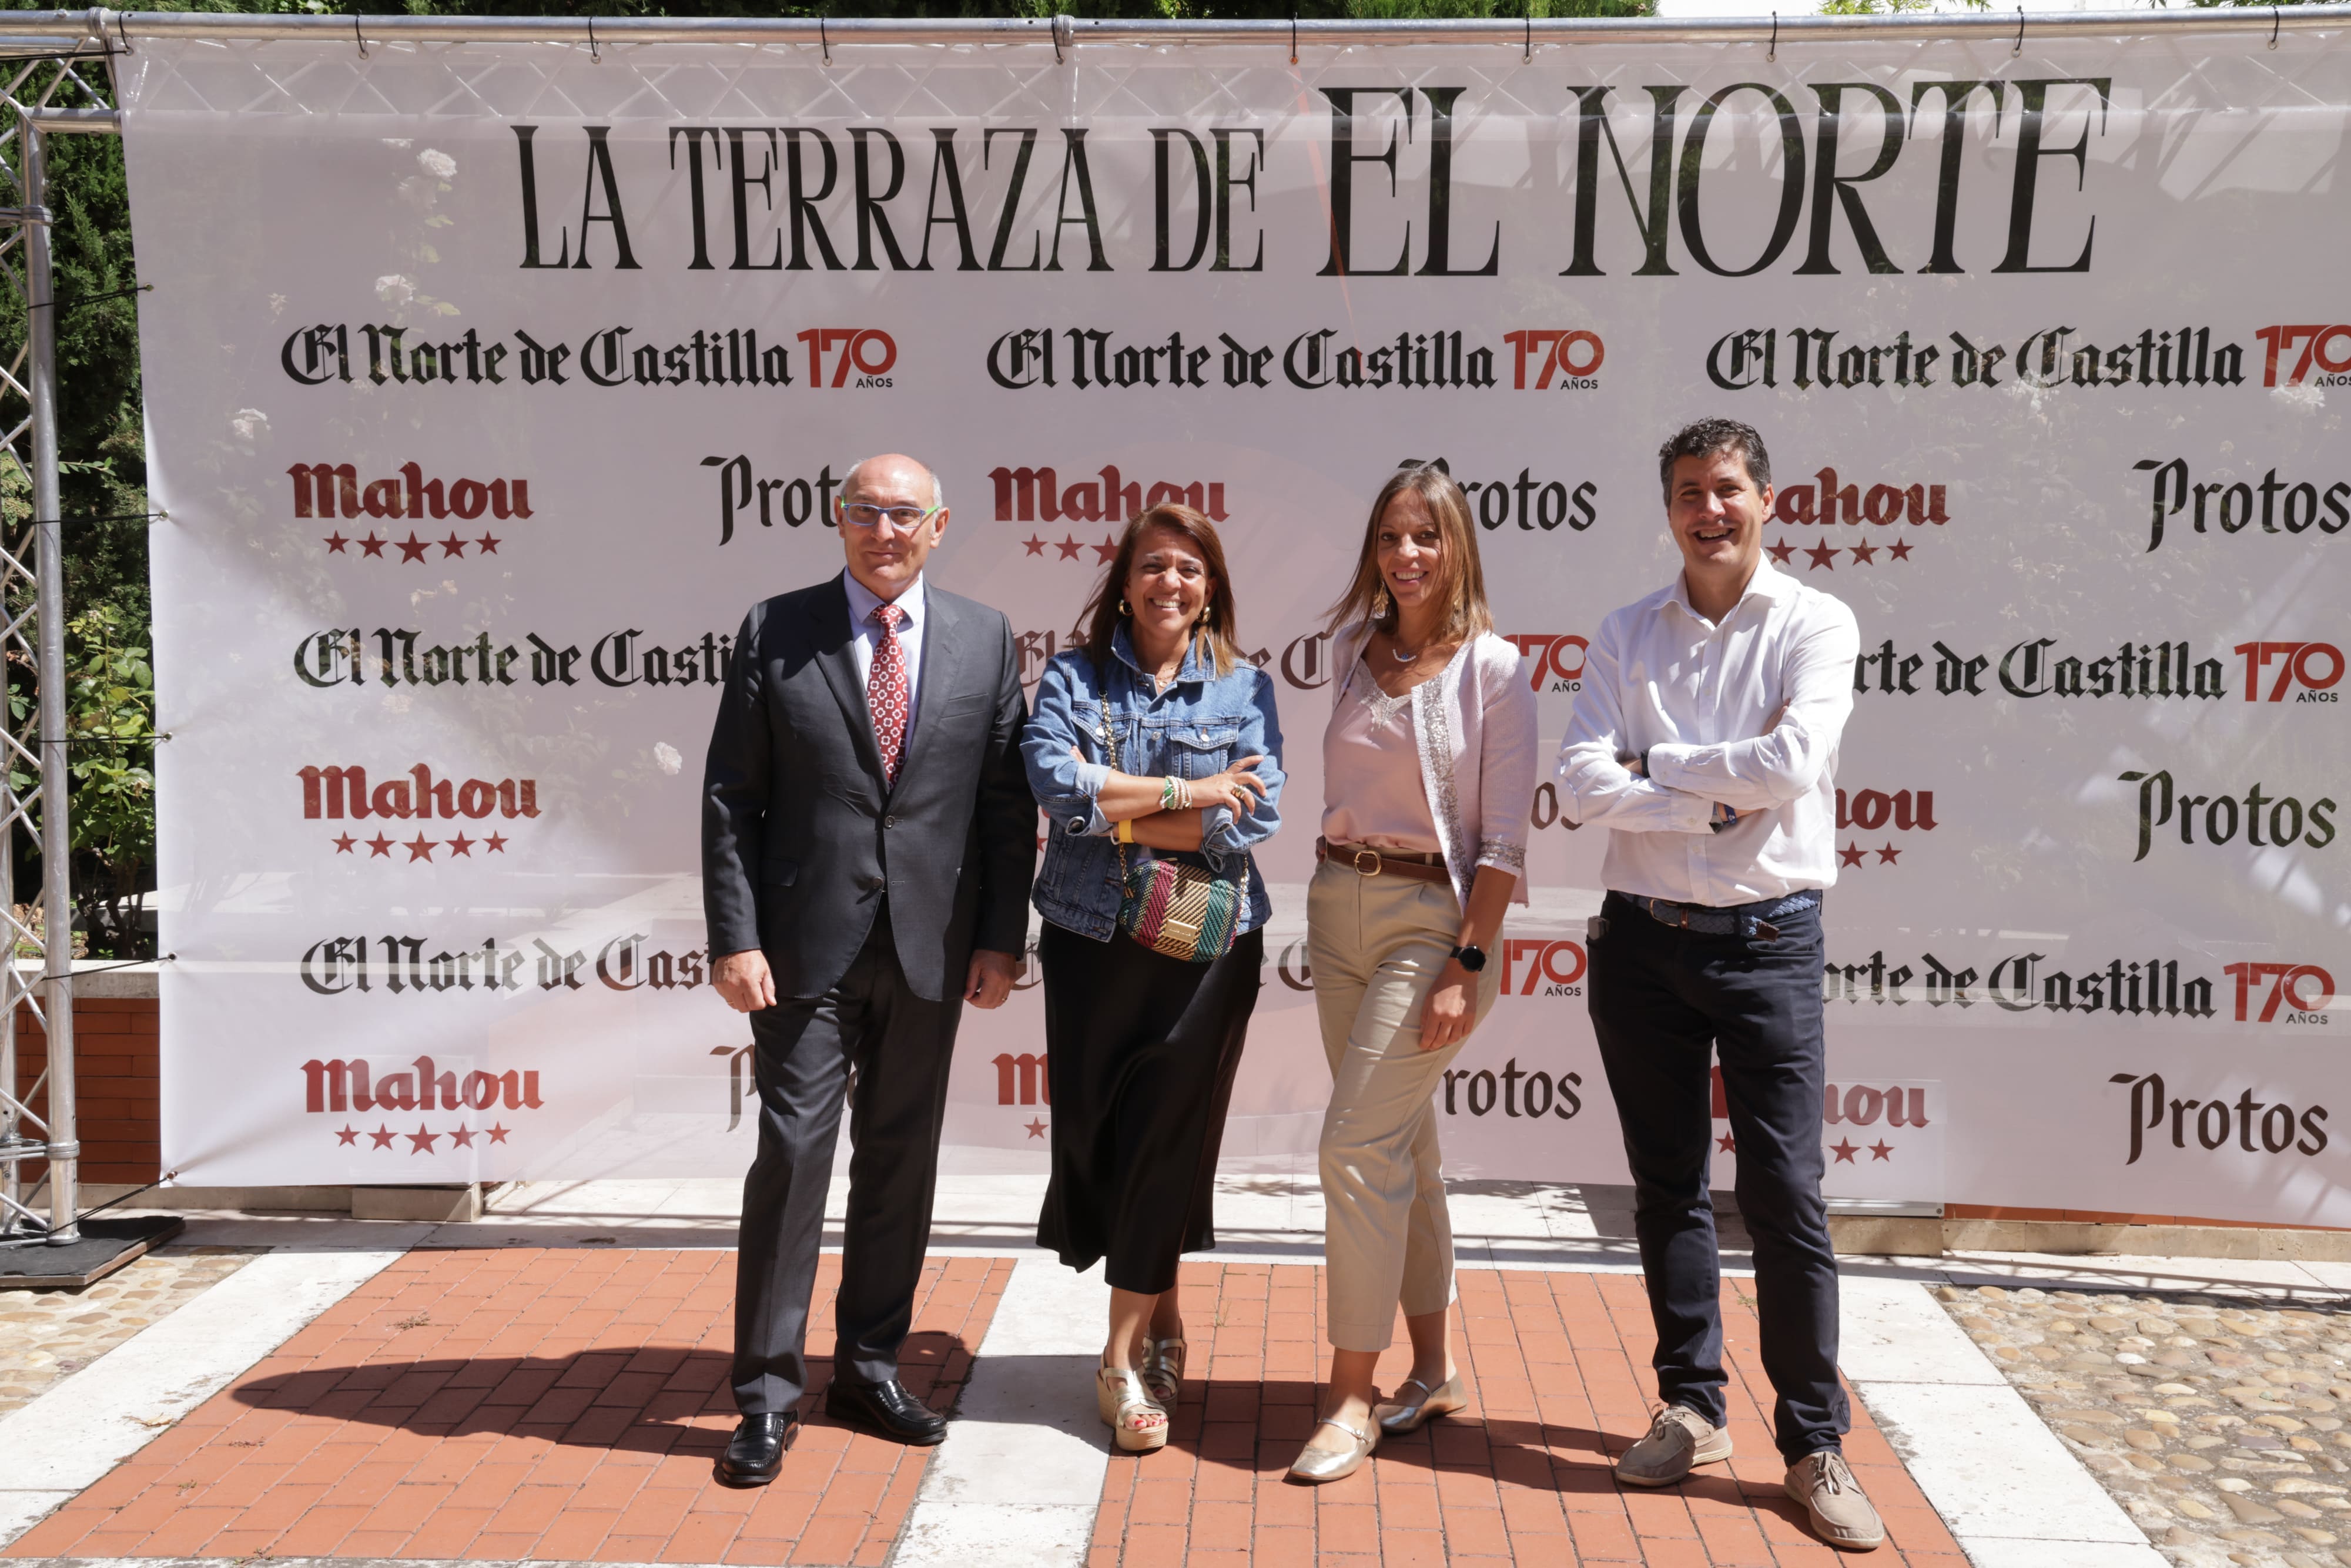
x=1470, y=958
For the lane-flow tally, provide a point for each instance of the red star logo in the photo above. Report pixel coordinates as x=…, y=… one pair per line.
x=1068, y=547
x=335, y=543
x=1036, y=1128
x=463, y=1138
x=349, y=1135
x=1779, y=552
x=1727, y=1144
x=1865, y=553
x=1881, y=1150
x=382, y=1137
x=1033, y=545
x=1899, y=549
x=1823, y=556
x=487, y=544
x=1106, y=550
x=373, y=544
x=414, y=548
x=462, y=845
x=495, y=844
x=419, y=848
x=497, y=1134
x=343, y=845
x=379, y=845
x=1849, y=855
x=1889, y=855
x=1844, y=1151
x=420, y=1142
x=451, y=546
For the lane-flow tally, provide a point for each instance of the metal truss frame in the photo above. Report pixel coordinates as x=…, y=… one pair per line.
x=57, y=80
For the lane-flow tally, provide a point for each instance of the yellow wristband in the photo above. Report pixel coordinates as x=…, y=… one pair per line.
x=1126, y=832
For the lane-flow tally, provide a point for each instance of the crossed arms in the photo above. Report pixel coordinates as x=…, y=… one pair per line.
x=1600, y=778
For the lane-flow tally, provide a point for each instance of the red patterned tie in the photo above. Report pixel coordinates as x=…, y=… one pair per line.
x=885, y=690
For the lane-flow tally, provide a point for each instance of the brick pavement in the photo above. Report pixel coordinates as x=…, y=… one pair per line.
x=517, y=1403
x=1558, y=1365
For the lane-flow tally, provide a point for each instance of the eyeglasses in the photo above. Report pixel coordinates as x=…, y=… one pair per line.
x=865, y=515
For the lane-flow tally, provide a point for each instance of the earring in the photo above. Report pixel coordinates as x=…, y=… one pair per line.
x=1122, y=609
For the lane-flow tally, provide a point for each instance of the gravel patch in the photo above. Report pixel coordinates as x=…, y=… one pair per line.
x=2218, y=1424
x=48, y=1335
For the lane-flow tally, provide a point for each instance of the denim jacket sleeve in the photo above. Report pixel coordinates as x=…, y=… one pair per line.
x=1065, y=787
x=1225, y=841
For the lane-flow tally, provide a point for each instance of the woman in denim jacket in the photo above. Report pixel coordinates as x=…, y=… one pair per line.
x=1154, y=738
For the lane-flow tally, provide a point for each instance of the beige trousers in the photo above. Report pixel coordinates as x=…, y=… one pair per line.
x=1377, y=945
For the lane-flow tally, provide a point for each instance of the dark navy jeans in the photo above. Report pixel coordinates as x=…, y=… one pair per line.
x=1664, y=1002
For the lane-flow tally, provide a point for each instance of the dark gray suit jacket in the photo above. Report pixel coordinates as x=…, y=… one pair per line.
x=800, y=838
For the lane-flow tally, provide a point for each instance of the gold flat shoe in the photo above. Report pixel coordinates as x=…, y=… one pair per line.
x=1163, y=1370
x=1316, y=1465
x=1411, y=1414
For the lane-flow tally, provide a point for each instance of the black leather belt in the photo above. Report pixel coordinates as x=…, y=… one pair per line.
x=1733, y=920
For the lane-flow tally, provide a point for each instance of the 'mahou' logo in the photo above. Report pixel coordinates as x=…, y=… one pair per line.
x=1036, y=495
x=333, y=791
x=333, y=490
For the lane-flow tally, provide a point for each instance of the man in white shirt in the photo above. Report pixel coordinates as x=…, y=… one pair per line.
x=1706, y=737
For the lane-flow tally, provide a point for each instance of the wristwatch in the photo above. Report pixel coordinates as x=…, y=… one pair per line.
x=1470, y=958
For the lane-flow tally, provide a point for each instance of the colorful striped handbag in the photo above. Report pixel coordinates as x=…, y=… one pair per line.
x=1169, y=907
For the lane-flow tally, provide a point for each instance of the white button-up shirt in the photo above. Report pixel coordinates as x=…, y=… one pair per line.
x=1747, y=712
x=863, y=629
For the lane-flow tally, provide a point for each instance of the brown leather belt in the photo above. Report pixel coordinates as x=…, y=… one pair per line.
x=1366, y=860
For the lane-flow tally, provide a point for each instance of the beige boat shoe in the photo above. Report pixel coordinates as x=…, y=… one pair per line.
x=1679, y=1439
x=1823, y=1483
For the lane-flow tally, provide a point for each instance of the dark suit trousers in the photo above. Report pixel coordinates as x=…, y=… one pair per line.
x=872, y=1040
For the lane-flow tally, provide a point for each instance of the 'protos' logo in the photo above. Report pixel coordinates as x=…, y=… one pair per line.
x=2276, y=1125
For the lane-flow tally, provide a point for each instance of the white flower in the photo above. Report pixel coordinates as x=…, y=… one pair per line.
x=394, y=289
x=666, y=758
x=440, y=165
x=249, y=424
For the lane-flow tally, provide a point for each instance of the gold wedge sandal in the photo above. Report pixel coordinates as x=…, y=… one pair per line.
x=1137, y=1423
x=1411, y=1414
x=1163, y=1370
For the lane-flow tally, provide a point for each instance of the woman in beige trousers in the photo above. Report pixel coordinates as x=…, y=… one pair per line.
x=1428, y=772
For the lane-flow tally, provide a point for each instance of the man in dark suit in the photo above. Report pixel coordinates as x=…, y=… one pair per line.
x=868, y=839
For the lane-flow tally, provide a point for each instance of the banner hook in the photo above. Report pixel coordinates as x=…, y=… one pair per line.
x=1773, y=53
x=2275, y=16
x=592, y=52
x=1293, y=35
x=1530, y=57
x=122, y=33
x=1057, y=42
x=825, y=42
x=2019, y=49
x=359, y=36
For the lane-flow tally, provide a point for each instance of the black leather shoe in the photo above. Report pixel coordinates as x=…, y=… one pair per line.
x=886, y=1409
x=756, y=1451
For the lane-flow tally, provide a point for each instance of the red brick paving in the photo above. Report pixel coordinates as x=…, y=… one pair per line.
x=523, y=1403
x=1558, y=1364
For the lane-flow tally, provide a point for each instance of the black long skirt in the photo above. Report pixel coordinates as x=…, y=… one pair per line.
x=1140, y=1049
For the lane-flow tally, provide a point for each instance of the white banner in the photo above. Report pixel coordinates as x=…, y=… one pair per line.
x=489, y=385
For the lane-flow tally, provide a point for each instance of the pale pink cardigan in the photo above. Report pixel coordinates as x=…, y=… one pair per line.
x=1476, y=725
